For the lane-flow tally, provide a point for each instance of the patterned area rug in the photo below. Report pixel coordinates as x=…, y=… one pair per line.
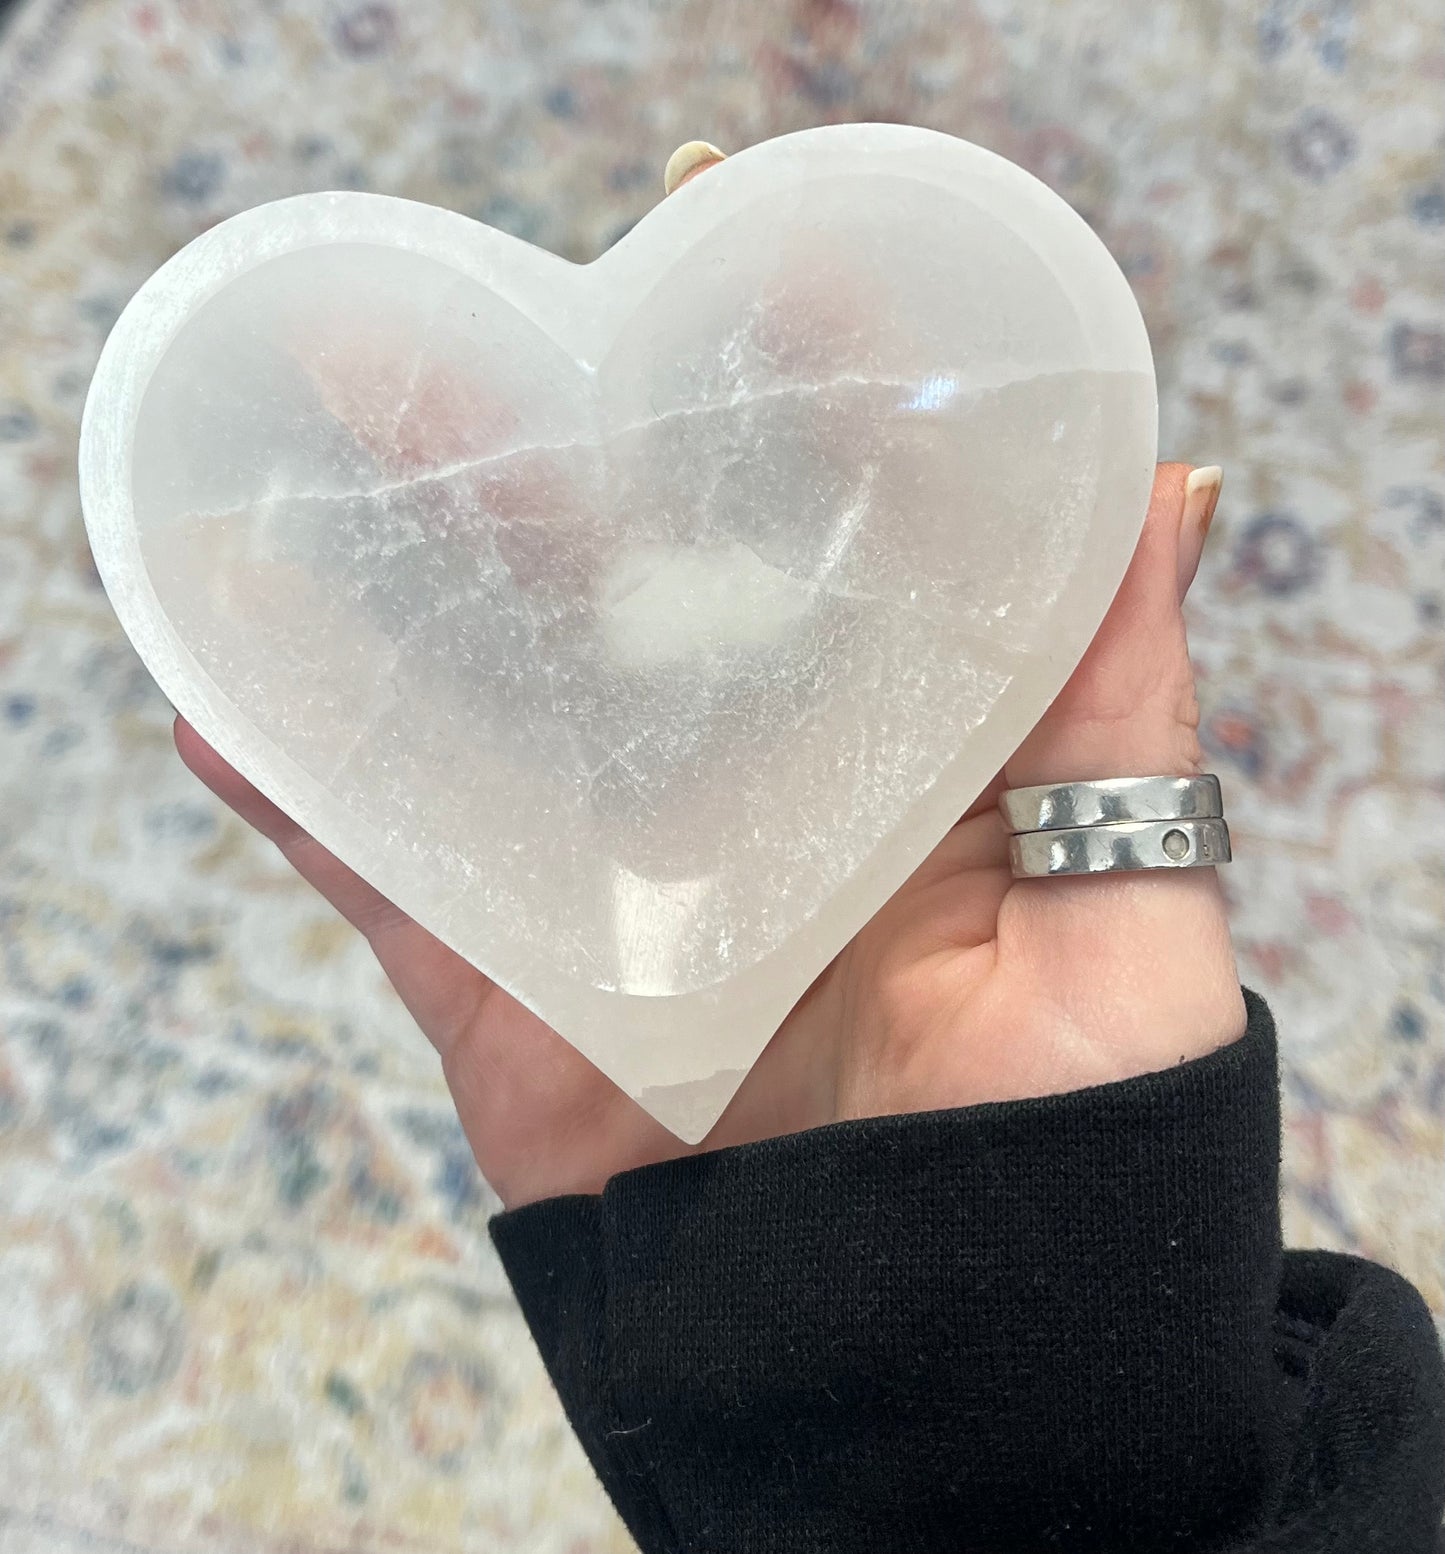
x=246, y=1298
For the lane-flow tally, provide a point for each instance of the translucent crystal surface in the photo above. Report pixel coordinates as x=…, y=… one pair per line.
x=637, y=626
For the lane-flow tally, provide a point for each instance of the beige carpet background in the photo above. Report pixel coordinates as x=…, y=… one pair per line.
x=246, y=1298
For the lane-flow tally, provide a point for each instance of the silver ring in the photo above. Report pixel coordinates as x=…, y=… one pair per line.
x=1111, y=801
x=1185, y=843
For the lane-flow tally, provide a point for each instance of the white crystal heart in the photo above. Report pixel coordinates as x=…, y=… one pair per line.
x=636, y=626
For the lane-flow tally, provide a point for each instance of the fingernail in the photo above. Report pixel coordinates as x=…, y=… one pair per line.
x=1201, y=498
x=687, y=159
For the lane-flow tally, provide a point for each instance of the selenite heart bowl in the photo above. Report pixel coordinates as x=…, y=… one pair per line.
x=636, y=626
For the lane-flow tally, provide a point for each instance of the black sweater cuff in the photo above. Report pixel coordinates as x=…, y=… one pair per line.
x=1051, y=1324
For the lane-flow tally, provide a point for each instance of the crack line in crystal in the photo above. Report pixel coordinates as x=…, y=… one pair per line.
x=467, y=466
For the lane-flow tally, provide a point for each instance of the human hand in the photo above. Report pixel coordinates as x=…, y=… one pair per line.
x=967, y=986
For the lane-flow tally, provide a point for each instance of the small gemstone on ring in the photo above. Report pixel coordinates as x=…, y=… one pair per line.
x=1176, y=846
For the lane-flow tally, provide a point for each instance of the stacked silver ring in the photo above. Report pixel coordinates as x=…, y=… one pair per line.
x=1115, y=825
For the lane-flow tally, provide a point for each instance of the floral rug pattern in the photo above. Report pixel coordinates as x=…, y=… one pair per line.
x=246, y=1296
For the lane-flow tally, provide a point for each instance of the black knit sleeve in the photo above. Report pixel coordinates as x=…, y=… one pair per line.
x=1058, y=1324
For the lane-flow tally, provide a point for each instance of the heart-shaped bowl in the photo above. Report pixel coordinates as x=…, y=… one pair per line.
x=636, y=626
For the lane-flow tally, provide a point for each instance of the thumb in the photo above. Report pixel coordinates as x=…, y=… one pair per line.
x=1140, y=963
x=1129, y=709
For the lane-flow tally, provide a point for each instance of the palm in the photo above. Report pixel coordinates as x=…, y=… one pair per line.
x=966, y=986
